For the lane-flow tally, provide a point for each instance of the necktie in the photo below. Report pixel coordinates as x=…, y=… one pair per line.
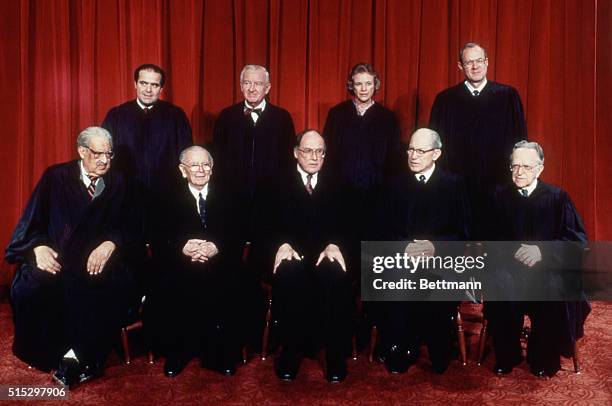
x=202, y=206
x=91, y=189
x=524, y=192
x=146, y=109
x=422, y=179
x=248, y=111
x=309, y=184
x=476, y=92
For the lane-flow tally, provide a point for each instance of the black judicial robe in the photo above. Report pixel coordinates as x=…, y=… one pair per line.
x=72, y=309
x=437, y=211
x=548, y=214
x=147, y=146
x=478, y=134
x=364, y=150
x=247, y=153
x=193, y=297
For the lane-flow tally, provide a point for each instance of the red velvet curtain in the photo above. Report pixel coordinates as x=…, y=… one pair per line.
x=64, y=63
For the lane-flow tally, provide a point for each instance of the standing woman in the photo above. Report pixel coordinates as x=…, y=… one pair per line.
x=363, y=143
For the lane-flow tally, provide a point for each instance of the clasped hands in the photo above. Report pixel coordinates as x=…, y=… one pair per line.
x=200, y=250
x=46, y=258
x=420, y=248
x=287, y=253
x=528, y=255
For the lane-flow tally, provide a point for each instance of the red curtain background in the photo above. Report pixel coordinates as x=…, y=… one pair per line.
x=64, y=63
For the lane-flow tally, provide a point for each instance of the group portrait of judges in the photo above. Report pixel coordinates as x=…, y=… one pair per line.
x=190, y=235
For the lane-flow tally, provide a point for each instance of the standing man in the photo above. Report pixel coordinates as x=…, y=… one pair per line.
x=149, y=133
x=531, y=214
x=424, y=206
x=73, y=246
x=303, y=228
x=479, y=122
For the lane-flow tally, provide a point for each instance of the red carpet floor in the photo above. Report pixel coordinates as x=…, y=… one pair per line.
x=370, y=384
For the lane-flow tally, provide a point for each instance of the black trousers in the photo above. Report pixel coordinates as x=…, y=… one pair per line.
x=313, y=306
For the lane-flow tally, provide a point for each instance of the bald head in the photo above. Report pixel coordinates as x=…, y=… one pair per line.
x=196, y=165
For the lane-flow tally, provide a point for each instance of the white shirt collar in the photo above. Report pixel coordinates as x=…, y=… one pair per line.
x=362, y=111
x=304, y=175
x=84, y=174
x=472, y=88
x=196, y=194
x=529, y=188
x=142, y=106
x=427, y=173
x=261, y=105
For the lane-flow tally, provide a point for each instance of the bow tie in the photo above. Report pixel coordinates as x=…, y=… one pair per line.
x=248, y=110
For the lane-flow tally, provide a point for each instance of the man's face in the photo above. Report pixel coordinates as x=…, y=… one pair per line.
x=525, y=167
x=311, y=153
x=197, y=168
x=363, y=86
x=421, y=156
x=254, y=86
x=474, y=65
x=148, y=87
x=97, y=156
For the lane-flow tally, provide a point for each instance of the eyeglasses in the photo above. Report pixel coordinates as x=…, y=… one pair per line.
x=474, y=62
x=418, y=151
x=526, y=168
x=98, y=154
x=194, y=167
x=309, y=152
x=248, y=83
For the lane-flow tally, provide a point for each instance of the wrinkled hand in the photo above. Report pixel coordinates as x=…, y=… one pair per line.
x=420, y=247
x=45, y=259
x=332, y=252
x=285, y=252
x=200, y=250
x=528, y=255
x=99, y=256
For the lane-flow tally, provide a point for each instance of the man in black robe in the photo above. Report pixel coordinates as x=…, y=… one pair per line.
x=194, y=309
x=252, y=142
x=74, y=245
x=426, y=205
x=532, y=213
x=302, y=229
x=479, y=122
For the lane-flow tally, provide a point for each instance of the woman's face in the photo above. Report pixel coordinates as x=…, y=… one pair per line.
x=363, y=87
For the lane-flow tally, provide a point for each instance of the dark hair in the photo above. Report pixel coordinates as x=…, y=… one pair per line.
x=154, y=68
x=362, y=68
x=301, y=134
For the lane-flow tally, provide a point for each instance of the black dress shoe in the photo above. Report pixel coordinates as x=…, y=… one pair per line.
x=91, y=371
x=336, y=369
x=544, y=373
x=397, y=360
x=68, y=372
x=287, y=365
x=174, y=366
x=500, y=369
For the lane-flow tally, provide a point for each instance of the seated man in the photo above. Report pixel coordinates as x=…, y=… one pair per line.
x=423, y=205
x=301, y=222
x=193, y=311
x=532, y=214
x=73, y=243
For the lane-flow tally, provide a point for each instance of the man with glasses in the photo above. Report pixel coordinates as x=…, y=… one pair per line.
x=531, y=214
x=73, y=245
x=423, y=206
x=302, y=229
x=201, y=254
x=479, y=122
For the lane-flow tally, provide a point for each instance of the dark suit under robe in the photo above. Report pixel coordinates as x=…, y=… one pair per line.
x=73, y=309
x=437, y=211
x=548, y=214
x=312, y=304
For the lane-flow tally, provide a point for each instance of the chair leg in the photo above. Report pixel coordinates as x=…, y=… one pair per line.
x=461, y=338
x=245, y=354
x=150, y=357
x=482, y=341
x=576, y=359
x=373, y=338
x=354, y=343
x=266, y=333
x=126, y=346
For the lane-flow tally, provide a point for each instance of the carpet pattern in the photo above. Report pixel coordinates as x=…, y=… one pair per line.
x=369, y=384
